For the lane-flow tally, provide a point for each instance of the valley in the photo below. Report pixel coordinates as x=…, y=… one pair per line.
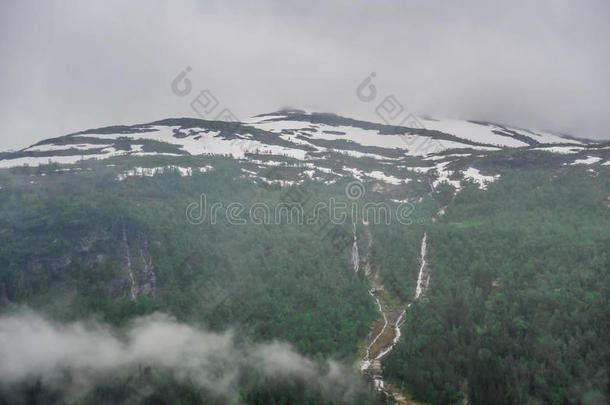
x=436, y=293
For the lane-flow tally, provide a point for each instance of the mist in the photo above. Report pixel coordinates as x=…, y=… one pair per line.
x=34, y=348
x=71, y=66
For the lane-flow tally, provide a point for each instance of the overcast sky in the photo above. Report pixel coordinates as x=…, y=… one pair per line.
x=72, y=65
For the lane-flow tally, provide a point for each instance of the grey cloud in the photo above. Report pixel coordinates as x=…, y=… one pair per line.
x=69, y=66
x=33, y=347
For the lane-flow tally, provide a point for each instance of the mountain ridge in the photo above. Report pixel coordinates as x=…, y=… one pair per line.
x=322, y=146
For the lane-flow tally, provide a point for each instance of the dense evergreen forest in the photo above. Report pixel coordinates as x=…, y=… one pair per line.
x=516, y=312
x=61, y=254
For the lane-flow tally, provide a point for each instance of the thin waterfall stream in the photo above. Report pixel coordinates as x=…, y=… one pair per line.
x=385, y=331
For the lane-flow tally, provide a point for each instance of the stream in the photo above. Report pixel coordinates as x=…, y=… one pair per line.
x=385, y=331
x=132, y=289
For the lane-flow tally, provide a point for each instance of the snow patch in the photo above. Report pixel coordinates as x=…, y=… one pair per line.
x=361, y=175
x=560, y=149
x=476, y=176
x=151, y=171
x=472, y=132
x=443, y=174
x=588, y=161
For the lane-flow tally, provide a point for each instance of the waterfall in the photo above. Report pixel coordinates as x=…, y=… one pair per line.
x=372, y=366
x=423, y=278
x=355, y=255
x=132, y=279
x=366, y=363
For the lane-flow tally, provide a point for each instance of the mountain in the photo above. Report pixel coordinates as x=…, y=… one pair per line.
x=326, y=146
x=305, y=258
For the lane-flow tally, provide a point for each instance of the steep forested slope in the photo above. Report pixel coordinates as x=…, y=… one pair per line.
x=70, y=242
x=171, y=218
x=517, y=310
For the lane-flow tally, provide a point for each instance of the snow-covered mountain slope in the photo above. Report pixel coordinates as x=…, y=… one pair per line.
x=494, y=134
x=325, y=146
x=291, y=133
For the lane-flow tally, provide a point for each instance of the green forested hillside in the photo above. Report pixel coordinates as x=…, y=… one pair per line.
x=61, y=253
x=517, y=310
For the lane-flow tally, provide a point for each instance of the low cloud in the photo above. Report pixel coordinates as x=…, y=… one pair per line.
x=79, y=65
x=34, y=348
